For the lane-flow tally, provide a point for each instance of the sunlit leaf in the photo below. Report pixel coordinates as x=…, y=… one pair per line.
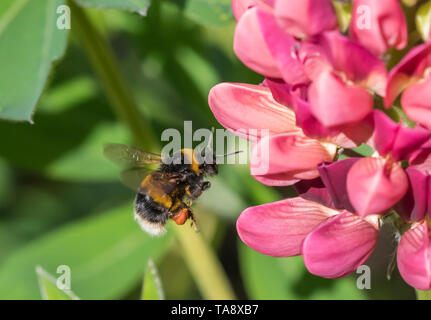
x=208, y=12
x=423, y=20
x=410, y=3
x=344, y=14
x=152, y=287
x=49, y=289
x=365, y=150
x=139, y=6
x=30, y=41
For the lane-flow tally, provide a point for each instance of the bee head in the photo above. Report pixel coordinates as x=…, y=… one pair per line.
x=209, y=165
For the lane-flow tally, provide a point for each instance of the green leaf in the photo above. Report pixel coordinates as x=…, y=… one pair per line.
x=344, y=14
x=423, y=295
x=209, y=12
x=106, y=254
x=87, y=162
x=152, y=287
x=365, y=150
x=287, y=278
x=423, y=20
x=49, y=289
x=410, y=3
x=29, y=42
x=267, y=277
x=60, y=136
x=6, y=183
x=139, y=6
x=67, y=94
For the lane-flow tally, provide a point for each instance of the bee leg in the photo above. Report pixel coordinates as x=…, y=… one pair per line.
x=206, y=185
x=194, y=191
x=194, y=224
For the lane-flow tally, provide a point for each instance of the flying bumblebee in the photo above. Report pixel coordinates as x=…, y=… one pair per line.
x=167, y=192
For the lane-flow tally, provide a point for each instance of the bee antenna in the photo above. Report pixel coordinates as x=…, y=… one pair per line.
x=228, y=154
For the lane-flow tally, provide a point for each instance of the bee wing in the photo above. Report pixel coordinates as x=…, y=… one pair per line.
x=132, y=178
x=126, y=156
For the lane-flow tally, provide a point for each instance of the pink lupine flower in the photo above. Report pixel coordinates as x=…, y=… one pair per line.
x=239, y=7
x=347, y=136
x=413, y=256
x=412, y=76
x=375, y=184
x=416, y=204
x=243, y=108
x=304, y=18
x=333, y=241
x=265, y=48
x=319, y=97
x=266, y=37
x=379, y=25
x=343, y=73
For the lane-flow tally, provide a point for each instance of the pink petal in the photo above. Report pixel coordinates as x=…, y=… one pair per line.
x=407, y=71
x=291, y=154
x=282, y=47
x=239, y=7
x=415, y=204
x=333, y=51
x=387, y=25
x=247, y=109
x=307, y=121
x=385, y=132
x=354, y=134
x=414, y=257
x=334, y=177
x=339, y=245
x=250, y=47
x=421, y=159
x=394, y=138
x=346, y=136
x=278, y=229
x=276, y=180
x=374, y=185
x=280, y=91
x=416, y=102
x=302, y=18
x=336, y=103
x=314, y=190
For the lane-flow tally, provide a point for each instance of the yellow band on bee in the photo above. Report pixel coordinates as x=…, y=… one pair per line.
x=190, y=154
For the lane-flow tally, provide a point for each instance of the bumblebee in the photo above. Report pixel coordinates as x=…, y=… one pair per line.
x=167, y=192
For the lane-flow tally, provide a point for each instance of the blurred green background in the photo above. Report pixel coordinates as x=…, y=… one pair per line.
x=61, y=202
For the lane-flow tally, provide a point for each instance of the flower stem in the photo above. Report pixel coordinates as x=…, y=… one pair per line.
x=199, y=256
x=106, y=68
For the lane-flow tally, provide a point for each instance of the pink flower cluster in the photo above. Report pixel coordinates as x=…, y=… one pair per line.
x=324, y=93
